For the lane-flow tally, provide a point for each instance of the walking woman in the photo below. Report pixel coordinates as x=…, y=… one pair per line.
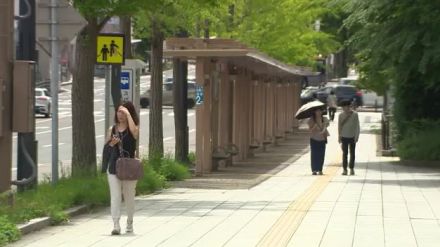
x=123, y=134
x=318, y=140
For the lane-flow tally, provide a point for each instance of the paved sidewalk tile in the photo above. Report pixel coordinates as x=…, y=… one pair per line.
x=385, y=204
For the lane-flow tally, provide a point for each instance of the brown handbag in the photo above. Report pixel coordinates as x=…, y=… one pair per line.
x=128, y=168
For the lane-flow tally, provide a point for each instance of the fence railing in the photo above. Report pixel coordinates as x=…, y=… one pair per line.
x=388, y=132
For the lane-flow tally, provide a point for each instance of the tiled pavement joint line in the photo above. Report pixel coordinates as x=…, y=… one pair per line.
x=287, y=224
x=358, y=205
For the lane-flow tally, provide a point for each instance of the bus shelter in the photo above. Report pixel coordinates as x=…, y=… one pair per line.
x=249, y=99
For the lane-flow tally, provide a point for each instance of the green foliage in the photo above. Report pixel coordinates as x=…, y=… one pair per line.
x=421, y=141
x=284, y=29
x=192, y=157
x=106, y=8
x=57, y=216
x=281, y=28
x=168, y=168
x=398, y=46
x=398, y=39
x=151, y=181
x=48, y=200
x=8, y=231
x=173, y=170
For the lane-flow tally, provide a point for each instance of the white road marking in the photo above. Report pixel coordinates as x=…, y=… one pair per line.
x=50, y=145
x=65, y=128
x=39, y=165
x=171, y=114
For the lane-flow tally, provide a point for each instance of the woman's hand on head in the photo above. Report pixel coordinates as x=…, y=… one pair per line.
x=124, y=110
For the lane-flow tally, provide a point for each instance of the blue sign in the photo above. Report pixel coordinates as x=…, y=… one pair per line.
x=125, y=80
x=199, y=94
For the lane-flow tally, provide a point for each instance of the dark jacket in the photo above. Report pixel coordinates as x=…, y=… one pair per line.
x=109, y=159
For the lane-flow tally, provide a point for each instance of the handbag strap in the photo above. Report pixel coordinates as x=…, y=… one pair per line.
x=120, y=144
x=346, y=119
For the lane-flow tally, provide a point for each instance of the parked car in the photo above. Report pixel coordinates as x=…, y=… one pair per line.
x=371, y=99
x=342, y=92
x=307, y=94
x=43, y=102
x=167, y=96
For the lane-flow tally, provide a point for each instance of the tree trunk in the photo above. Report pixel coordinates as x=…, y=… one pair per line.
x=206, y=34
x=340, y=63
x=155, y=146
x=83, y=124
x=180, y=95
x=231, y=17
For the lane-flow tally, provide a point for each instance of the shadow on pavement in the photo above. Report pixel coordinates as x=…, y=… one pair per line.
x=408, y=174
x=252, y=171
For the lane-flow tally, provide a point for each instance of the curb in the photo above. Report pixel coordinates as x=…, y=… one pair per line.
x=40, y=223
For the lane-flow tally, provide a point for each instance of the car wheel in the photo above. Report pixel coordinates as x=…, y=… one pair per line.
x=191, y=103
x=144, y=103
x=47, y=115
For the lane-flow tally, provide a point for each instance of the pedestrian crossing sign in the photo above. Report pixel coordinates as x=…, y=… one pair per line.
x=110, y=49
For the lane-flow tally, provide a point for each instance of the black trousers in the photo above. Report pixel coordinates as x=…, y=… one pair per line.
x=348, y=143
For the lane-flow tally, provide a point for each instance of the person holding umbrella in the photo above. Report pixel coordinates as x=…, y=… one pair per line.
x=318, y=133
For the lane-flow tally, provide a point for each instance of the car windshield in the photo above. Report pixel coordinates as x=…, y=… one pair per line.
x=308, y=92
x=39, y=93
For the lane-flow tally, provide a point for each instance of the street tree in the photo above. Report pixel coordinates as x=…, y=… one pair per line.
x=97, y=13
x=398, y=44
x=157, y=20
x=283, y=29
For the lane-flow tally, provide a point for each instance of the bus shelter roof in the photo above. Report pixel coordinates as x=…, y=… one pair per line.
x=232, y=52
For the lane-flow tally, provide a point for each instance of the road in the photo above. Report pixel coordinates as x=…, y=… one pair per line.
x=44, y=131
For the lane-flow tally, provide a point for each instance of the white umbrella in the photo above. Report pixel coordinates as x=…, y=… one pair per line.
x=307, y=109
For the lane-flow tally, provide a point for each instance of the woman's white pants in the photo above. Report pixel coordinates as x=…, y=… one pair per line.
x=119, y=188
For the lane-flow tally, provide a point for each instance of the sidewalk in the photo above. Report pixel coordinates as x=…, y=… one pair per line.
x=384, y=204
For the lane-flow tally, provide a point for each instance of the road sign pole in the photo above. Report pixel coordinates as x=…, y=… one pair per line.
x=54, y=84
x=108, y=77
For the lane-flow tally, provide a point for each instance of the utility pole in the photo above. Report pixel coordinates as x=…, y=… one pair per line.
x=54, y=84
x=6, y=58
x=26, y=51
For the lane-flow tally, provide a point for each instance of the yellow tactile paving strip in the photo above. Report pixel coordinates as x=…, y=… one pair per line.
x=284, y=228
